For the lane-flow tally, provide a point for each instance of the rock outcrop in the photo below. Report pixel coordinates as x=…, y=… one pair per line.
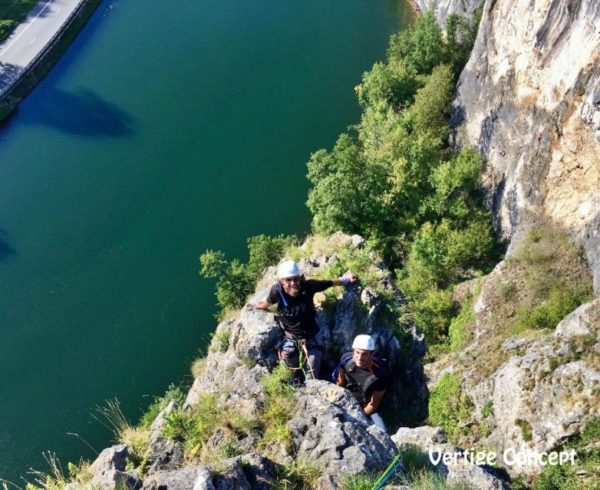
x=546, y=391
x=530, y=393
x=327, y=426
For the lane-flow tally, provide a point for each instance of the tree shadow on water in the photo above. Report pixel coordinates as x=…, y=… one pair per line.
x=83, y=113
x=6, y=250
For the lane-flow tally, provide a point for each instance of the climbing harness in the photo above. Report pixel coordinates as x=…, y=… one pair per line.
x=302, y=344
x=303, y=356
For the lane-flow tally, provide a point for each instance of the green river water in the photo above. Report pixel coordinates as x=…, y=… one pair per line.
x=161, y=132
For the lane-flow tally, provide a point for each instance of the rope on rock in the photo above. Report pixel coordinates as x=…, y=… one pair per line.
x=388, y=473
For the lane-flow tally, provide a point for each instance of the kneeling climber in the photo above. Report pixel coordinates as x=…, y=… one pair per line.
x=296, y=314
x=364, y=374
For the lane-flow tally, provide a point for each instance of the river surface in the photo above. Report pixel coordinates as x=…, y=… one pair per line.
x=160, y=133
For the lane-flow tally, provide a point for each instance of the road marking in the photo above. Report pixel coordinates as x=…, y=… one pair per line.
x=28, y=26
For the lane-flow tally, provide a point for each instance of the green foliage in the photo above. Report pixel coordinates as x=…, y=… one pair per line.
x=437, y=259
x=358, y=482
x=584, y=474
x=431, y=309
x=194, y=428
x=395, y=84
x=487, y=409
x=56, y=478
x=550, y=312
x=236, y=280
x=431, y=105
x=526, y=429
x=557, y=279
x=459, y=331
x=396, y=182
x=417, y=472
x=347, y=192
x=299, y=475
x=225, y=426
x=173, y=393
x=12, y=13
x=449, y=406
x=421, y=46
x=220, y=341
x=461, y=34
x=278, y=407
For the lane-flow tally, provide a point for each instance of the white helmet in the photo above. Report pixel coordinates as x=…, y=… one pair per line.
x=288, y=268
x=364, y=342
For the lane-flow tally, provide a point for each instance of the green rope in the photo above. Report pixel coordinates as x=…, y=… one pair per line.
x=300, y=358
x=386, y=475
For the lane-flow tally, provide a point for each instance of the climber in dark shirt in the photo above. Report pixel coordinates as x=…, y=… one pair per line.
x=296, y=314
x=365, y=376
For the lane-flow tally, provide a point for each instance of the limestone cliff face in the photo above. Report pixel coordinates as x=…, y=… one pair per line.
x=443, y=8
x=529, y=100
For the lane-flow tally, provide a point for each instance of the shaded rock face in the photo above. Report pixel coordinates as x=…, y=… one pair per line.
x=443, y=8
x=529, y=100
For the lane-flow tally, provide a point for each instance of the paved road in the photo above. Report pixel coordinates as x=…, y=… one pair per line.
x=30, y=38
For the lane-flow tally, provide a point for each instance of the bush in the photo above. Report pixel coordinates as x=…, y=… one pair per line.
x=422, y=45
x=300, y=474
x=347, y=190
x=432, y=103
x=394, y=84
x=550, y=312
x=461, y=34
x=449, y=406
x=194, y=428
x=173, y=393
x=396, y=182
x=459, y=331
x=12, y=13
x=557, y=279
x=278, y=408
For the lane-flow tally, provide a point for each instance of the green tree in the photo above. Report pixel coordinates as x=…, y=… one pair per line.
x=432, y=104
x=421, y=46
x=347, y=190
x=394, y=83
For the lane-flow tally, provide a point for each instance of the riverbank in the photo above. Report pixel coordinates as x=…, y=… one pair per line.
x=36, y=44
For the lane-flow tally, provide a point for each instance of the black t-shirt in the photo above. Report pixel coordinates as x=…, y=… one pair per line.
x=297, y=314
x=378, y=369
